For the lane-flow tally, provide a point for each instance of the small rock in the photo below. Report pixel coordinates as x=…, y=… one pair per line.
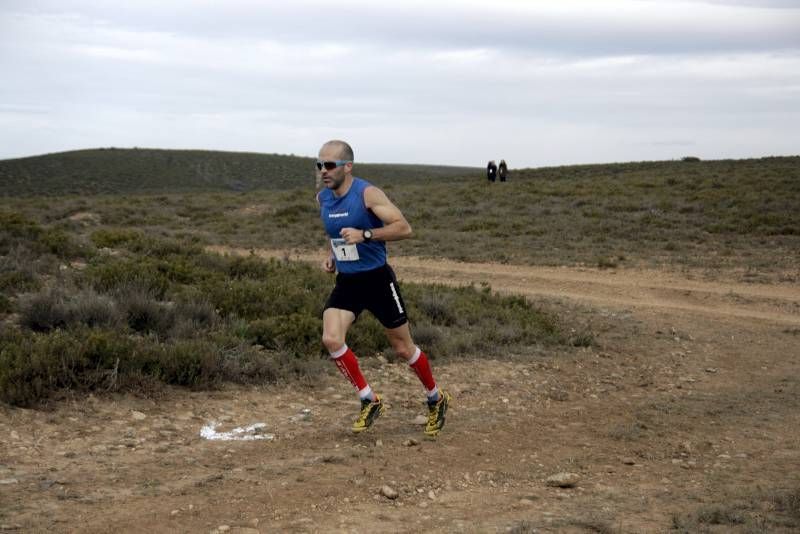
x=432, y=495
x=389, y=492
x=378, y=443
x=411, y=442
x=138, y=416
x=8, y=481
x=174, y=512
x=711, y=370
x=420, y=420
x=14, y=435
x=628, y=461
x=563, y=480
x=223, y=528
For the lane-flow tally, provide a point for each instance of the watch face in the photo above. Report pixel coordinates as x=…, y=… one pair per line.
x=367, y=234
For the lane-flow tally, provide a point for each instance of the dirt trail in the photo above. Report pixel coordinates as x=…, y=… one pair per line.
x=633, y=288
x=684, y=414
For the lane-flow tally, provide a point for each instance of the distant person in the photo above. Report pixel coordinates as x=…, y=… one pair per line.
x=502, y=170
x=491, y=171
x=359, y=219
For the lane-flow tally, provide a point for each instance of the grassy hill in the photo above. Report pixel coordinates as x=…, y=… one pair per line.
x=130, y=171
x=708, y=214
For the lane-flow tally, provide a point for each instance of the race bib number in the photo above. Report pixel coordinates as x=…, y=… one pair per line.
x=343, y=251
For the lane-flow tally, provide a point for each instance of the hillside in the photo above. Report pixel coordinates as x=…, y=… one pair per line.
x=130, y=171
x=705, y=214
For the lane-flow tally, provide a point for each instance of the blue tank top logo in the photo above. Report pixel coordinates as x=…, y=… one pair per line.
x=349, y=211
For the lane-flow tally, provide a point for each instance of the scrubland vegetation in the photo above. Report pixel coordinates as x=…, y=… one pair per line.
x=105, y=285
x=118, y=309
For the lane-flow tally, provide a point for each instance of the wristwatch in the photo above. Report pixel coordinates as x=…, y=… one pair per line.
x=367, y=235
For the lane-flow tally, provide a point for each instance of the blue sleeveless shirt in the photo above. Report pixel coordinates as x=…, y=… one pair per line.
x=350, y=211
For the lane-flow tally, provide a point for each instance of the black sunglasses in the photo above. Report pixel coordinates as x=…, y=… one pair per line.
x=330, y=165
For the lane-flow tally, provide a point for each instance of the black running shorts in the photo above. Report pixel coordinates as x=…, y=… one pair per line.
x=376, y=291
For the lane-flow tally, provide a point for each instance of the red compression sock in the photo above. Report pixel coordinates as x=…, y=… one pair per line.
x=419, y=363
x=348, y=365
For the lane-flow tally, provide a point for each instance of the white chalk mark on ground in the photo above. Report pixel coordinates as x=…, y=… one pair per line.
x=247, y=433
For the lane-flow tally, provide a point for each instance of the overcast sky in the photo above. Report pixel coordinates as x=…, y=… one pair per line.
x=448, y=82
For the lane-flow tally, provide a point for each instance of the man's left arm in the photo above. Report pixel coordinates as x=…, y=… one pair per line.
x=395, y=226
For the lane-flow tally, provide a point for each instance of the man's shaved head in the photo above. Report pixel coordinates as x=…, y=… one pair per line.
x=342, y=149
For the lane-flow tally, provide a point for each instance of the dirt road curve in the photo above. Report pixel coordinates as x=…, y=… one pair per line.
x=778, y=303
x=684, y=416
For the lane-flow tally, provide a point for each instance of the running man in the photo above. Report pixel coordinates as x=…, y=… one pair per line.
x=359, y=218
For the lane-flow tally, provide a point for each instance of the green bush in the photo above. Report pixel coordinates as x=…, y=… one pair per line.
x=102, y=350
x=43, y=312
x=15, y=229
x=437, y=305
x=248, y=299
x=25, y=377
x=143, y=313
x=91, y=309
x=112, y=237
x=61, y=244
x=33, y=366
x=54, y=308
x=18, y=231
x=198, y=312
x=194, y=363
x=431, y=338
x=119, y=274
x=18, y=281
x=296, y=334
x=250, y=267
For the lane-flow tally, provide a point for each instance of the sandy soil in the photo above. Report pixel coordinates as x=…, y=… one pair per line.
x=689, y=401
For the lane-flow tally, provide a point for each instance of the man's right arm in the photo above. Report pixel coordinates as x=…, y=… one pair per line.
x=329, y=264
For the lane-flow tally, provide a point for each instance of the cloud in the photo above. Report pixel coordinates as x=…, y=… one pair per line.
x=442, y=80
x=566, y=27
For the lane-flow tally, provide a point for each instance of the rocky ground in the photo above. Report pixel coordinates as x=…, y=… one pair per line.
x=684, y=416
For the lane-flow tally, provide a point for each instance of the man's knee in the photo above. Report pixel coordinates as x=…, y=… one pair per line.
x=332, y=341
x=404, y=350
